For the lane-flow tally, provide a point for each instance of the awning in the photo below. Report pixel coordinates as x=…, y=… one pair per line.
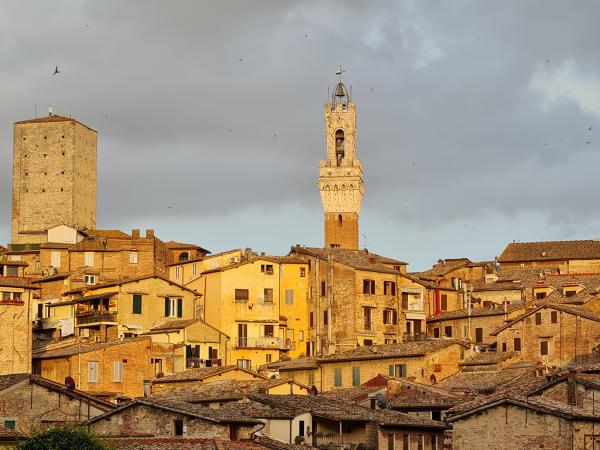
x=133, y=327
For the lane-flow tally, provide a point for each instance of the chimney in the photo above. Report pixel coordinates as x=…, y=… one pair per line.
x=50, y=114
x=149, y=232
x=135, y=233
x=147, y=388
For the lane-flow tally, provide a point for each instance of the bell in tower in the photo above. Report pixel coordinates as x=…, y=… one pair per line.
x=340, y=174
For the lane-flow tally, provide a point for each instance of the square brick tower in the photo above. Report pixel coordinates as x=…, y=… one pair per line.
x=54, y=177
x=341, y=175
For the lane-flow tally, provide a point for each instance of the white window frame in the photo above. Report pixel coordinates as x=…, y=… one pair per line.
x=89, y=279
x=88, y=259
x=172, y=307
x=289, y=296
x=55, y=258
x=133, y=257
x=93, y=371
x=118, y=371
x=178, y=272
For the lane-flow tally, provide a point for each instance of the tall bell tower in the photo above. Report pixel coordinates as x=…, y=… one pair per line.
x=340, y=174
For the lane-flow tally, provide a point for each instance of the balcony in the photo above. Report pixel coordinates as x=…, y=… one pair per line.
x=197, y=362
x=258, y=342
x=46, y=323
x=95, y=317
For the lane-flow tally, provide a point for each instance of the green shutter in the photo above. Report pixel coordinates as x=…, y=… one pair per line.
x=179, y=307
x=391, y=370
x=337, y=377
x=355, y=376
x=167, y=307
x=137, y=304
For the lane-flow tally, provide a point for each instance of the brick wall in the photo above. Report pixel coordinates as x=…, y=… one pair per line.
x=342, y=233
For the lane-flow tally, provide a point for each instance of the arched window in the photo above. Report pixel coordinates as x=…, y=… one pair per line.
x=339, y=147
x=184, y=256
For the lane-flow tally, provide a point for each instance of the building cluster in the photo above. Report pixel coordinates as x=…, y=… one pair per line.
x=164, y=345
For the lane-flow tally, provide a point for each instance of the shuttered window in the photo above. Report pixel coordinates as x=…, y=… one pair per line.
x=137, y=304
x=538, y=318
x=92, y=371
x=89, y=259
x=117, y=371
x=517, y=344
x=337, y=377
x=355, y=376
x=544, y=348
x=289, y=296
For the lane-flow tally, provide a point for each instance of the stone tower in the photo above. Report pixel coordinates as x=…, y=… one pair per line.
x=54, y=177
x=340, y=175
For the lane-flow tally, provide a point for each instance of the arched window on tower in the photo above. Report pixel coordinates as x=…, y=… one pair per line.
x=339, y=147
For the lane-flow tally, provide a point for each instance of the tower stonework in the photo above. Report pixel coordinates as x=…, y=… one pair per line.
x=341, y=175
x=54, y=177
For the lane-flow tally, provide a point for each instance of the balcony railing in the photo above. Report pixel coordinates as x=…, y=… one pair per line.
x=332, y=440
x=258, y=342
x=98, y=317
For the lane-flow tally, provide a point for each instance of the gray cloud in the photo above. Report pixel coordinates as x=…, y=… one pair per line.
x=473, y=116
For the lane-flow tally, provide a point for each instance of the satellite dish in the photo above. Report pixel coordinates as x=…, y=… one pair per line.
x=381, y=401
x=69, y=383
x=313, y=390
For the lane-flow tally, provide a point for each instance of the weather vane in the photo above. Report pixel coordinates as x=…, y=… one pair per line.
x=339, y=72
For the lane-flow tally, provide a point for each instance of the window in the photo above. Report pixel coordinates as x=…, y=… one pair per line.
x=325, y=317
x=242, y=295
x=405, y=300
x=178, y=427
x=448, y=331
x=89, y=279
x=301, y=428
x=517, y=344
x=92, y=371
x=367, y=316
x=178, y=272
x=268, y=358
x=301, y=335
x=355, y=376
x=11, y=424
x=5, y=296
x=173, y=307
x=369, y=287
x=339, y=147
x=540, y=295
x=89, y=259
x=570, y=293
x=434, y=440
x=184, y=256
x=311, y=378
x=538, y=318
x=137, y=304
x=118, y=371
x=554, y=316
x=323, y=289
x=420, y=441
x=444, y=301
x=55, y=259
x=267, y=269
x=302, y=272
x=478, y=335
x=504, y=346
x=390, y=441
x=194, y=269
x=268, y=295
x=289, y=296
x=389, y=288
x=337, y=377
x=367, y=342
x=465, y=331
x=543, y=348
x=390, y=317
x=244, y=364
x=311, y=320
x=133, y=257
x=397, y=370
x=269, y=331
x=16, y=296
x=405, y=442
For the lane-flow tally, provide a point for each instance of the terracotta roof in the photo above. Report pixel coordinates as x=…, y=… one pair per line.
x=115, y=234
x=131, y=280
x=550, y=251
x=484, y=358
x=444, y=267
x=176, y=325
x=219, y=391
x=173, y=443
x=174, y=245
x=307, y=362
x=542, y=405
x=181, y=407
x=8, y=262
x=353, y=394
x=267, y=258
x=200, y=374
x=475, y=312
x=10, y=434
x=357, y=259
x=75, y=349
x=7, y=381
x=52, y=118
x=416, y=396
x=17, y=282
x=341, y=410
x=278, y=445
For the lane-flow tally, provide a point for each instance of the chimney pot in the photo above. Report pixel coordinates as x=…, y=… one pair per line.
x=135, y=233
x=149, y=233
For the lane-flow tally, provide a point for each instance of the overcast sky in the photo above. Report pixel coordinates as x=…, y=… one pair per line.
x=474, y=117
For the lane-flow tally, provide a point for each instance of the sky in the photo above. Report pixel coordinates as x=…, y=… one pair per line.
x=478, y=121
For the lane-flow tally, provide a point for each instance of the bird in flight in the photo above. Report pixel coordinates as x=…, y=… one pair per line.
x=56, y=71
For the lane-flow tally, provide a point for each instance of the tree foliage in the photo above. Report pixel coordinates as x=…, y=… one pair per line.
x=68, y=438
